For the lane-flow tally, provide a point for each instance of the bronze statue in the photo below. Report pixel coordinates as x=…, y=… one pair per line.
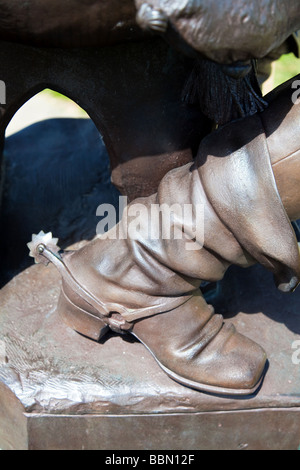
x=151, y=287
x=225, y=32
x=90, y=43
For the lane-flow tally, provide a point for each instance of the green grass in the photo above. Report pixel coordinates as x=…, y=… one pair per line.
x=285, y=68
x=54, y=94
x=62, y=99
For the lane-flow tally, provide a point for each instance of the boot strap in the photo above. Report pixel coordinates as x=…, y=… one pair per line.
x=116, y=316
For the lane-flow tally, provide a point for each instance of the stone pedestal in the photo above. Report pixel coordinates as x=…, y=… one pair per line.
x=60, y=390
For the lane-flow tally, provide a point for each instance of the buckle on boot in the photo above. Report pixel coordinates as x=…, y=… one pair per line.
x=118, y=324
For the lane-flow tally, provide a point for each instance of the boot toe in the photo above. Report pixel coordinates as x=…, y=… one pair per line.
x=231, y=362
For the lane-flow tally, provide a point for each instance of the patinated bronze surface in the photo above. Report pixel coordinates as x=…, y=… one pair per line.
x=51, y=398
x=131, y=82
x=158, y=279
x=60, y=390
x=222, y=31
x=225, y=32
x=126, y=107
x=109, y=83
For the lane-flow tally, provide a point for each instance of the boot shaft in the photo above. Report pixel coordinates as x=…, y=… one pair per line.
x=281, y=121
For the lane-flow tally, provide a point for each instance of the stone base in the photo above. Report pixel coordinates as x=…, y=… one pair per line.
x=62, y=391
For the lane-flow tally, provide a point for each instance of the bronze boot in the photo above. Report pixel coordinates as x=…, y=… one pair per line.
x=197, y=349
x=189, y=342
x=148, y=284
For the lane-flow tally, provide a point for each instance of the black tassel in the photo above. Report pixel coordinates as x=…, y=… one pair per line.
x=223, y=96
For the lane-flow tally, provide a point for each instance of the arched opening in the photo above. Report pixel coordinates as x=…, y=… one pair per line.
x=47, y=104
x=57, y=173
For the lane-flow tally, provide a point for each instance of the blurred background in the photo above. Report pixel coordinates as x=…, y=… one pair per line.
x=282, y=70
x=45, y=105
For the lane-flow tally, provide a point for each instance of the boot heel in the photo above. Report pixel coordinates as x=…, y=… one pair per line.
x=81, y=320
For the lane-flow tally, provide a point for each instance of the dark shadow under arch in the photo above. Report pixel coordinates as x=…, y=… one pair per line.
x=132, y=93
x=57, y=174
x=21, y=100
